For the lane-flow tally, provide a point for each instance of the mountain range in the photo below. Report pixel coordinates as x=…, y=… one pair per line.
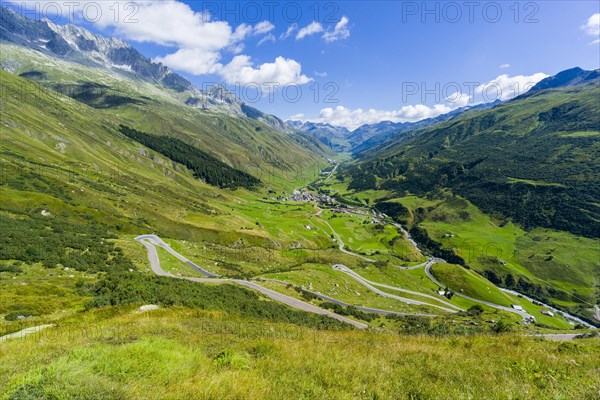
x=128, y=88
x=135, y=147
x=534, y=159
x=367, y=136
x=76, y=44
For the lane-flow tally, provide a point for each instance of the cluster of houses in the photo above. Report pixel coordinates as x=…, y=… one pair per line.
x=298, y=195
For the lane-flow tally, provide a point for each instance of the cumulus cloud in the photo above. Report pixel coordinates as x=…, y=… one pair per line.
x=506, y=87
x=352, y=119
x=503, y=87
x=283, y=71
x=198, y=40
x=592, y=27
x=340, y=31
x=503, y=66
x=310, y=29
x=194, y=61
x=458, y=99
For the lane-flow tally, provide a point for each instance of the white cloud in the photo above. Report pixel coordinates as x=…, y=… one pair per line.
x=310, y=29
x=198, y=40
x=458, y=99
x=340, y=31
x=194, y=61
x=267, y=38
x=297, y=117
x=263, y=27
x=291, y=29
x=236, y=48
x=283, y=71
x=352, y=119
x=503, y=87
x=321, y=74
x=506, y=87
x=241, y=32
x=173, y=23
x=592, y=26
x=504, y=66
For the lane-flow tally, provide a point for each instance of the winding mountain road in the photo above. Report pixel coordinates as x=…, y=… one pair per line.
x=370, y=285
x=342, y=244
x=361, y=308
x=428, y=264
x=526, y=316
x=150, y=241
x=362, y=279
x=157, y=241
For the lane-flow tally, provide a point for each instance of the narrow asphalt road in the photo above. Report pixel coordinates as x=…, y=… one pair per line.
x=523, y=314
x=526, y=316
x=368, y=284
x=344, y=304
x=361, y=279
x=342, y=244
x=332, y=172
x=25, y=332
x=565, y=315
x=149, y=241
x=156, y=241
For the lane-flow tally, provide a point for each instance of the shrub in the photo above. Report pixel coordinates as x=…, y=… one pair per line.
x=14, y=268
x=230, y=359
x=135, y=288
x=501, y=327
x=475, y=310
x=14, y=315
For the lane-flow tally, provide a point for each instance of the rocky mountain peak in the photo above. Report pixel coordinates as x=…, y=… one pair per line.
x=77, y=44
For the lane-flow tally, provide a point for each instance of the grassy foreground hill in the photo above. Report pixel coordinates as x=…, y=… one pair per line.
x=179, y=353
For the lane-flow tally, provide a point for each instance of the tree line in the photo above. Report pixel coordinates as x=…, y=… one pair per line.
x=203, y=165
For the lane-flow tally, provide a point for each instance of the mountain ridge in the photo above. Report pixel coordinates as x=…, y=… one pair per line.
x=569, y=77
x=367, y=136
x=468, y=154
x=77, y=44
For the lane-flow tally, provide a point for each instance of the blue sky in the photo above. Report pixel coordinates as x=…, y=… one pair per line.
x=361, y=62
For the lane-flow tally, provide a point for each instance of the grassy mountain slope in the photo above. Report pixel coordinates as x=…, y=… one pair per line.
x=512, y=192
x=68, y=168
x=75, y=191
x=65, y=155
x=534, y=160
x=241, y=142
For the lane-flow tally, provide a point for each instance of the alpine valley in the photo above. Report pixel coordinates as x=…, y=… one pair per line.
x=159, y=240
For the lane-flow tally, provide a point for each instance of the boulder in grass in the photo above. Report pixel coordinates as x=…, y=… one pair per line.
x=149, y=307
